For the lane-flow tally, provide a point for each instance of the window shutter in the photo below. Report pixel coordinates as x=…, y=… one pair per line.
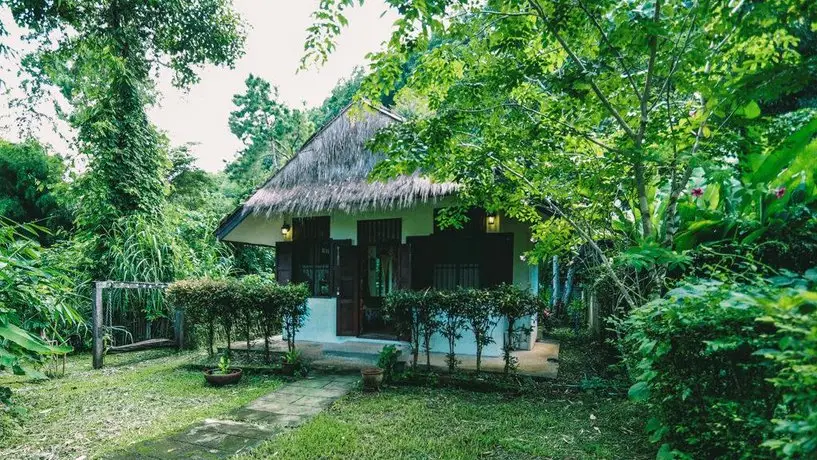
x=334, y=265
x=404, y=267
x=497, y=259
x=283, y=262
x=422, y=262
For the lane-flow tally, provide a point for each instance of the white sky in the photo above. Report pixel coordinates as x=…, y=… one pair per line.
x=275, y=39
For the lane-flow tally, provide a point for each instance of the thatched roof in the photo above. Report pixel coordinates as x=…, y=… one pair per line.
x=331, y=173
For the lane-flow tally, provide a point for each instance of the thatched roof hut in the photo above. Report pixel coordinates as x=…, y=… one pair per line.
x=330, y=173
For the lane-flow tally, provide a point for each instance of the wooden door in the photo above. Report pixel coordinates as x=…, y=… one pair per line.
x=283, y=262
x=345, y=258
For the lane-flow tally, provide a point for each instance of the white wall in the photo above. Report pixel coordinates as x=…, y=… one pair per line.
x=321, y=325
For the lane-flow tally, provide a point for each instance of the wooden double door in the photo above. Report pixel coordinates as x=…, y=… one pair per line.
x=366, y=274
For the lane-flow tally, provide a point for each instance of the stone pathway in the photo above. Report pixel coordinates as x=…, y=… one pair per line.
x=289, y=406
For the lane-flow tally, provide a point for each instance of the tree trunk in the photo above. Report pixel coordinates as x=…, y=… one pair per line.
x=571, y=274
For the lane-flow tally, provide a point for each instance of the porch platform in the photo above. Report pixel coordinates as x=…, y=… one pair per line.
x=355, y=354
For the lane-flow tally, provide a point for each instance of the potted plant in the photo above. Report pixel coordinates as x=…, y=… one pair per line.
x=291, y=362
x=223, y=374
x=389, y=361
x=372, y=378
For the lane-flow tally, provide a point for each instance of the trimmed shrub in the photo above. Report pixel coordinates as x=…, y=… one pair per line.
x=728, y=371
x=453, y=306
x=294, y=311
x=254, y=304
x=419, y=314
x=404, y=309
x=480, y=312
x=513, y=303
x=203, y=301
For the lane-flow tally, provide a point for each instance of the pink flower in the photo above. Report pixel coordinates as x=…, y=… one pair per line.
x=697, y=192
x=780, y=192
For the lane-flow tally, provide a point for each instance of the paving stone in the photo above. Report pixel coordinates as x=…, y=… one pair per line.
x=289, y=406
x=316, y=392
x=270, y=417
x=280, y=397
x=313, y=401
x=313, y=383
x=128, y=455
x=235, y=428
x=216, y=441
x=168, y=449
x=299, y=410
x=269, y=406
x=340, y=386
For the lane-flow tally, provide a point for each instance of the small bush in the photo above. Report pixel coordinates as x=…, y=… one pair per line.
x=387, y=360
x=254, y=304
x=480, y=311
x=728, y=371
x=453, y=306
x=404, y=309
x=294, y=311
x=514, y=304
x=419, y=314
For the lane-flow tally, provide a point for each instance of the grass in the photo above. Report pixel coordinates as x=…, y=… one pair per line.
x=137, y=396
x=555, y=420
x=150, y=394
x=457, y=424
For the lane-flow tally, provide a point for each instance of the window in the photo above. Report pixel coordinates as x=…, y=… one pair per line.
x=456, y=262
x=311, y=254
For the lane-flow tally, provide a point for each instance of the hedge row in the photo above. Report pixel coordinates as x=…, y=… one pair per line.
x=252, y=306
x=418, y=315
x=728, y=371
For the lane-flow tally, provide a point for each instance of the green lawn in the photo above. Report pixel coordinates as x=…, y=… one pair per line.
x=456, y=424
x=137, y=396
x=145, y=395
x=553, y=421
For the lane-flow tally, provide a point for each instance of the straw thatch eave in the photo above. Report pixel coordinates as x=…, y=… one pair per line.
x=330, y=173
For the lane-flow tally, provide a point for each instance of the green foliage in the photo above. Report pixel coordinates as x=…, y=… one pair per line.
x=480, y=312
x=342, y=95
x=224, y=363
x=103, y=58
x=452, y=305
x=768, y=210
x=270, y=130
x=32, y=187
x=514, y=303
x=791, y=313
x=253, y=303
x=727, y=369
x=387, y=360
x=583, y=113
x=294, y=310
x=407, y=311
x=420, y=314
x=32, y=304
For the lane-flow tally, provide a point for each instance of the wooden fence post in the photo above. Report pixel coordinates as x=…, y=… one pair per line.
x=178, y=329
x=96, y=316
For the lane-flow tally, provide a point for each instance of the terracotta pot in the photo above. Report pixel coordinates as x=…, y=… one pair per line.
x=372, y=378
x=218, y=379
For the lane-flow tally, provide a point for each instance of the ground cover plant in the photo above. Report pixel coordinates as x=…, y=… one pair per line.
x=138, y=396
x=548, y=420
